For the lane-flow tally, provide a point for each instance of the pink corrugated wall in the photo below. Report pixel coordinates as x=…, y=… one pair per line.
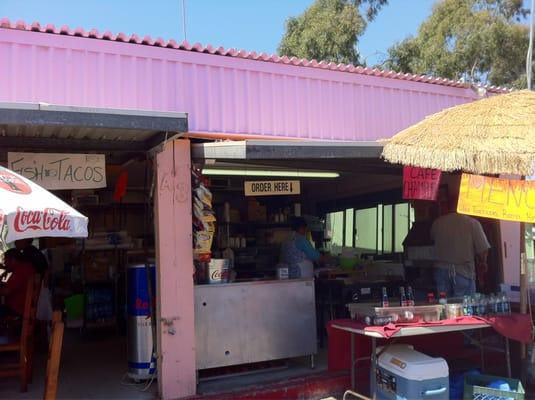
x=220, y=94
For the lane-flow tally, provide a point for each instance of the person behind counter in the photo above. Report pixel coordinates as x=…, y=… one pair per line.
x=14, y=290
x=298, y=253
x=459, y=242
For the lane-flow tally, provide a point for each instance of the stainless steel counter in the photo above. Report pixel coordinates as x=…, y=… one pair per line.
x=247, y=322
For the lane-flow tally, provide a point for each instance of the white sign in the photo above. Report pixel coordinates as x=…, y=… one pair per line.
x=272, y=188
x=60, y=171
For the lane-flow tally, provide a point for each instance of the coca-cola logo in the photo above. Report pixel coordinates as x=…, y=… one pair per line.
x=219, y=275
x=50, y=219
x=13, y=183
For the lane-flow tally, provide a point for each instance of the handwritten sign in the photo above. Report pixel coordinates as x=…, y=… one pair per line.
x=60, y=171
x=271, y=188
x=420, y=183
x=505, y=199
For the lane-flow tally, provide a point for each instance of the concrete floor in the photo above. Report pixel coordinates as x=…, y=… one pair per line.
x=93, y=366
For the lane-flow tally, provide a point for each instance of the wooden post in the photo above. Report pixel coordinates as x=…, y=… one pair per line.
x=174, y=292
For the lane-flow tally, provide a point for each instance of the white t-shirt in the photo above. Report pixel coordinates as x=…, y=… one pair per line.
x=458, y=239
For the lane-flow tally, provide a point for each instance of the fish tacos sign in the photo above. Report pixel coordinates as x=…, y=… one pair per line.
x=60, y=171
x=497, y=198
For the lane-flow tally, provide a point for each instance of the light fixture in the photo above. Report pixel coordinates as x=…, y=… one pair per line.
x=269, y=173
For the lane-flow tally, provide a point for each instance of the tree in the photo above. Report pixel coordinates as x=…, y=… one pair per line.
x=328, y=30
x=475, y=40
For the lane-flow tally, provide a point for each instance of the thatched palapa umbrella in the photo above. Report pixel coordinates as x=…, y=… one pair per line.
x=494, y=135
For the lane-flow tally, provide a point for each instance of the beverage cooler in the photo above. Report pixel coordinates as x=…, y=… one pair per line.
x=141, y=351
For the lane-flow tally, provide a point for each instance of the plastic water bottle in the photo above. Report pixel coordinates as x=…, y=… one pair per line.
x=506, y=304
x=467, y=306
x=491, y=307
x=384, y=301
x=499, y=303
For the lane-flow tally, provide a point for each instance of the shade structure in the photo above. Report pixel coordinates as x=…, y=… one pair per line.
x=29, y=211
x=494, y=135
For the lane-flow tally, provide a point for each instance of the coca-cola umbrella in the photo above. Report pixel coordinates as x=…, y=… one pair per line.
x=29, y=211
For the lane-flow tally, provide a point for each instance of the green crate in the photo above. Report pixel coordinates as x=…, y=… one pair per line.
x=475, y=387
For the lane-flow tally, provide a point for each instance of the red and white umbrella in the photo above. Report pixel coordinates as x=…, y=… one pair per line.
x=29, y=211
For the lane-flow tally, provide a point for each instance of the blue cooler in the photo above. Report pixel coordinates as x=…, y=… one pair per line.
x=141, y=360
x=403, y=373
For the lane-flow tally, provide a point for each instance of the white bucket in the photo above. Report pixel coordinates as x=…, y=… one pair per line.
x=218, y=270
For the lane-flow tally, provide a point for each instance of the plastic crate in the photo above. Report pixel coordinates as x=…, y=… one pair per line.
x=475, y=388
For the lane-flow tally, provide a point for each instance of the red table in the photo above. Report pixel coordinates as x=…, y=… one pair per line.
x=508, y=326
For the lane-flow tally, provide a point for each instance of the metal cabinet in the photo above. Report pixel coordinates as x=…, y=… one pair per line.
x=242, y=323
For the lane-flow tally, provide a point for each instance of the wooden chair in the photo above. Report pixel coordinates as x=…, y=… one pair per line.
x=14, y=343
x=54, y=357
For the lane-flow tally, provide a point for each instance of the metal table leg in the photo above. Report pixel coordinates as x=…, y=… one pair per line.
x=482, y=350
x=353, y=364
x=508, y=357
x=373, y=367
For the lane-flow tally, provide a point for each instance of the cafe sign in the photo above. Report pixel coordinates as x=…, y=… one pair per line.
x=420, y=183
x=497, y=198
x=272, y=188
x=60, y=171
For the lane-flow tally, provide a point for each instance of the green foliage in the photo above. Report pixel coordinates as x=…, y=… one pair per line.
x=329, y=30
x=476, y=40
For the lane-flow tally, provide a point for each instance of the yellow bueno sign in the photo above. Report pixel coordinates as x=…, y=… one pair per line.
x=510, y=200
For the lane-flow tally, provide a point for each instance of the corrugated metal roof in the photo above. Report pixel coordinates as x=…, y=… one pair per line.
x=197, y=47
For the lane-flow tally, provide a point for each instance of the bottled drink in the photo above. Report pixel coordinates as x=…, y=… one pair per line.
x=431, y=298
x=483, y=306
x=475, y=304
x=384, y=300
x=491, y=304
x=506, y=304
x=467, y=307
x=402, y=297
x=443, y=300
x=410, y=296
x=499, y=303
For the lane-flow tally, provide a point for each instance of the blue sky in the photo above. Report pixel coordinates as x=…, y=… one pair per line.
x=245, y=24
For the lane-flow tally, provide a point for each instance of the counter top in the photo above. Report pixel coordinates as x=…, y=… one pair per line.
x=258, y=282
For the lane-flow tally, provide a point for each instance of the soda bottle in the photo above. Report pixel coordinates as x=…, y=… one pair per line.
x=431, y=298
x=402, y=297
x=384, y=300
x=410, y=296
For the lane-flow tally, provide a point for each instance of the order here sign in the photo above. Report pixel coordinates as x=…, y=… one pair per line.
x=505, y=199
x=420, y=183
x=271, y=188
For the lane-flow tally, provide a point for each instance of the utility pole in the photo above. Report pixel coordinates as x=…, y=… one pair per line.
x=184, y=19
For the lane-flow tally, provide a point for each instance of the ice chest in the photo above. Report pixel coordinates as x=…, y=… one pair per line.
x=404, y=373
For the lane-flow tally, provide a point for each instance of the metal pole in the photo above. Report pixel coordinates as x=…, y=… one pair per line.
x=353, y=366
x=373, y=368
x=184, y=19
x=508, y=357
x=529, y=57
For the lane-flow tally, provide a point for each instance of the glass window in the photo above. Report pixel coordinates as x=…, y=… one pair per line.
x=335, y=225
x=401, y=224
x=366, y=230
x=387, y=229
x=349, y=228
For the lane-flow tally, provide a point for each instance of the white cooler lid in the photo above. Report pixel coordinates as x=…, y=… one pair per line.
x=404, y=361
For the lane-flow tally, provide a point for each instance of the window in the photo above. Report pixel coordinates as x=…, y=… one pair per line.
x=380, y=229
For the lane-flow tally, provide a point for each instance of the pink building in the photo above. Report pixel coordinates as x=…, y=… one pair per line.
x=226, y=93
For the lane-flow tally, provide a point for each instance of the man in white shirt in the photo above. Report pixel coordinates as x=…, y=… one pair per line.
x=460, y=242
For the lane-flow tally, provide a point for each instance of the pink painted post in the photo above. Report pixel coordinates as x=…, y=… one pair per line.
x=175, y=302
